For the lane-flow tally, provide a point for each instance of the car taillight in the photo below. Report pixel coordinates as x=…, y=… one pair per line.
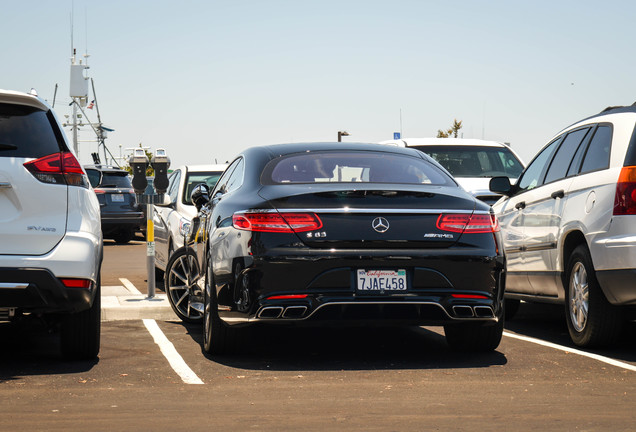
x=58, y=168
x=469, y=223
x=276, y=222
x=625, y=199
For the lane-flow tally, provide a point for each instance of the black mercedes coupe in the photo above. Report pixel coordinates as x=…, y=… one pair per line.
x=343, y=233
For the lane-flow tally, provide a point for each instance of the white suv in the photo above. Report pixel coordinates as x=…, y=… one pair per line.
x=569, y=226
x=472, y=162
x=50, y=235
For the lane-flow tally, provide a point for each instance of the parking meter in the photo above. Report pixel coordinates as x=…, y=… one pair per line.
x=161, y=163
x=139, y=163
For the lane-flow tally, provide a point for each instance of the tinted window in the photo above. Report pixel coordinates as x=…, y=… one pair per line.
x=236, y=179
x=116, y=179
x=221, y=184
x=173, y=188
x=533, y=174
x=26, y=132
x=356, y=167
x=93, y=176
x=193, y=179
x=475, y=161
x=563, y=157
x=598, y=152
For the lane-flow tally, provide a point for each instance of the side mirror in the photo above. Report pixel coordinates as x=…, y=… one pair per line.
x=501, y=185
x=200, y=195
x=164, y=201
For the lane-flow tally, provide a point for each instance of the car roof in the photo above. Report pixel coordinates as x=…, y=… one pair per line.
x=203, y=168
x=285, y=149
x=631, y=109
x=21, y=98
x=410, y=142
x=106, y=168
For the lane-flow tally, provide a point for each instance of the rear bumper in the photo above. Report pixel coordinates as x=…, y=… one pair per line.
x=38, y=290
x=31, y=283
x=134, y=219
x=619, y=286
x=441, y=289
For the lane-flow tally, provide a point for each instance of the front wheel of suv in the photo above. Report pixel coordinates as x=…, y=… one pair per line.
x=80, y=332
x=592, y=320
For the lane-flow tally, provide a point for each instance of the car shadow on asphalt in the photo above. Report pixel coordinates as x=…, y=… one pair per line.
x=348, y=348
x=32, y=348
x=547, y=322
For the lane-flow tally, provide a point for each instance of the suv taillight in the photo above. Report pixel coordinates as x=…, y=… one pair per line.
x=625, y=199
x=58, y=168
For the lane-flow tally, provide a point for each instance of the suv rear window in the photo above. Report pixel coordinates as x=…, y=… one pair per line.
x=474, y=161
x=26, y=132
x=115, y=179
x=358, y=166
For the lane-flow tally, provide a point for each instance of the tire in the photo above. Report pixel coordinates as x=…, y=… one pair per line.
x=475, y=337
x=180, y=283
x=80, y=332
x=123, y=236
x=592, y=320
x=218, y=337
x=241, y=290
x=512, y=307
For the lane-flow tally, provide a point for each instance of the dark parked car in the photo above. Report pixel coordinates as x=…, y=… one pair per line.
x=121, y=215
x=344, y=233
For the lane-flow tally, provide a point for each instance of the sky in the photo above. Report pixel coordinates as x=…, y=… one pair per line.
x=207, y=79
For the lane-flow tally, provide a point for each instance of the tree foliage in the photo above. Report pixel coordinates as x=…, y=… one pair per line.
x=453, y=131
x=150, y=171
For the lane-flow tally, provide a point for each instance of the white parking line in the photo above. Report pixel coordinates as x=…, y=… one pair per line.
x=170, y=353
x=129, y=286
x=600, y=358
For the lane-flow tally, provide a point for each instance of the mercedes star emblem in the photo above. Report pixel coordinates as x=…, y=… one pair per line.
x=380, y=224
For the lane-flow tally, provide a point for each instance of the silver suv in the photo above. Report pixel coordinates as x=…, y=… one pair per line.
x=569, y=226
x=50, y=235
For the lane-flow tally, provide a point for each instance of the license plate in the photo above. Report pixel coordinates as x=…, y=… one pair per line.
x=117, y=198
x=382, y=280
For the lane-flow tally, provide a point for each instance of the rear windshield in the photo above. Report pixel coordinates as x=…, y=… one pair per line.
x=475, y=161
x=193, y=179
x=116, y=179
x=26, y=132
x=353, y=167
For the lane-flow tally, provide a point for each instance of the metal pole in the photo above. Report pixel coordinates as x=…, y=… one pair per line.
x=150, y=250
x=75, y=147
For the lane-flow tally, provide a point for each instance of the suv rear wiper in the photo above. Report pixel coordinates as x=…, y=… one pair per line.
x=8, y=146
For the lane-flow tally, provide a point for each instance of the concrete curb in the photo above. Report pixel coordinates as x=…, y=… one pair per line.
x=118, y=303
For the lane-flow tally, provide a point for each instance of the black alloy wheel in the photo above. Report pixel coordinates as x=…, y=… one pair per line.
x=181, y=285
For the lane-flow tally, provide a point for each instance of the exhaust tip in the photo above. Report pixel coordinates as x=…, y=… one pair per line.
x=463, y=311
x=294, y=311
x=484, y=312
x=271, y=312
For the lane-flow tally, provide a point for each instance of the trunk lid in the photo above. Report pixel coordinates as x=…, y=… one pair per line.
x=32, y=214
x=401, y=217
